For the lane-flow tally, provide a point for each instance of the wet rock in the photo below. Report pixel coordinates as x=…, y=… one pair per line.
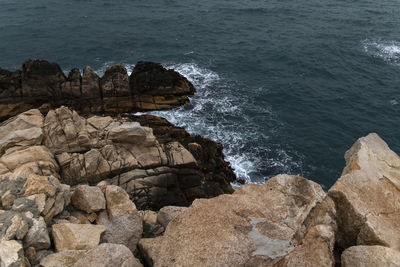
x=367, y=195
x=43, y=85
x=373, y=256
x=108, y=255
x=88, y=198
x=168, y=213
x=68, y=236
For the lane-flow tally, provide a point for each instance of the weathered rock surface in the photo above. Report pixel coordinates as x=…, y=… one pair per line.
x=68, y=236
x=257, y=225
x=43, y=85
x=367, y=196
x=108, y=255
x=371, y=256
x=154, y=170
x=88, y=198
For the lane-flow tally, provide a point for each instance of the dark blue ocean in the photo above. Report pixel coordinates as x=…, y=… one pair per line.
x=286, y=86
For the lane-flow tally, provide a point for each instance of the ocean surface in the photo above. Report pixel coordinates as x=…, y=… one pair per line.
x=286, y=86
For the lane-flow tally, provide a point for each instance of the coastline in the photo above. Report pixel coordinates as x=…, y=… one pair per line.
x=97, y=181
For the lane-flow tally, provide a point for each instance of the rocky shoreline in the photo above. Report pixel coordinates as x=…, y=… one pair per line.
x=84, y=184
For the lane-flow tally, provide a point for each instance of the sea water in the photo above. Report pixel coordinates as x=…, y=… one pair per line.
x=286, y=86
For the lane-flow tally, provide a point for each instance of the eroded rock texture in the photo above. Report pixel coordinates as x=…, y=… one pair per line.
x=43, y=85
x=289, y=221
x=367, y=196
x=155, y=170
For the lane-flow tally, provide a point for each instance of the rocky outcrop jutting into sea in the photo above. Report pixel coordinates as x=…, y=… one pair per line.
x=43, y=85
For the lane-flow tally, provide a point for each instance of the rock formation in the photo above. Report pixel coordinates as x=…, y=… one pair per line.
x=43, y=85
x=287, y=221
x=154, y=171
x=79, y=189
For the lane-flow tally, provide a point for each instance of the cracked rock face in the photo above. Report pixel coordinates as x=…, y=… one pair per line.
x=258, y=225
x=367, y=196
x=43, y=85
x=63, y=146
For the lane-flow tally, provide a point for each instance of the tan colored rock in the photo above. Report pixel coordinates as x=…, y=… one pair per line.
x=11, y=253
x=68, y=236
x=255, y=225
x=178, y=155
x=148, y=247
x=122, y=220
x=65, y=258
x=148, y=216
x=118, y=201
x=7, y=200
x=17, y=227
x=21, y=131
x=371, y=256
x=128, y=132
x=367, y=196
x=36, y=184
x=108, y=255
x=315, y=238
x=35, y=157
x=88, y=198
x=168, y=213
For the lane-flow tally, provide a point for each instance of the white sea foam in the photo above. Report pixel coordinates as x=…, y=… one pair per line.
x=387, y=50
x=216, y=112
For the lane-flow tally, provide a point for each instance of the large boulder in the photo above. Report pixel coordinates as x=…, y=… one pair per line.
x=367, y=196
x=257, y=225
x=371, y=256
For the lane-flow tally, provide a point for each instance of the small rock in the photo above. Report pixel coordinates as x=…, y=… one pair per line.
x=63, y=259
x=40, y=200
x=11, y=253
x=108, y=255
x=68, y=236
x=149, y=216
x=17, y=229
x=88, y=198
x=37, y=236
x=123, y=222
x=7, y=200
x=168, y=213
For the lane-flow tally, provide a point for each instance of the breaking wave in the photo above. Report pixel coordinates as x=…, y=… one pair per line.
x=389, y=51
